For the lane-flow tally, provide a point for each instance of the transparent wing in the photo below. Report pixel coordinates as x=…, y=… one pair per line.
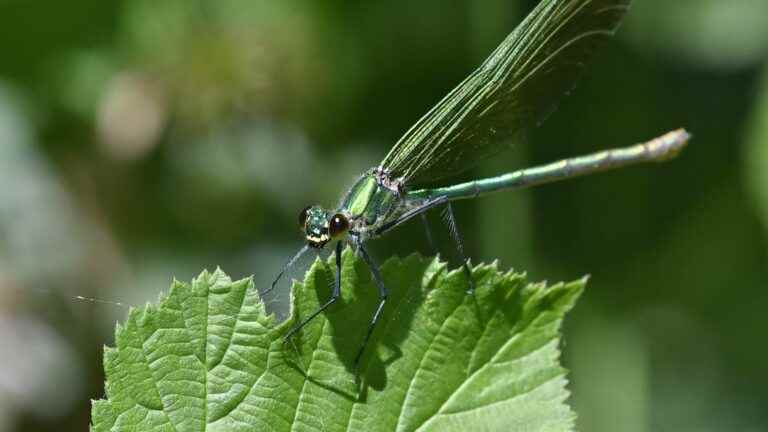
x=517, y=86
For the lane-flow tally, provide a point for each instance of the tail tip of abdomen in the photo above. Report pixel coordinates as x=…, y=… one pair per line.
x=670, y=144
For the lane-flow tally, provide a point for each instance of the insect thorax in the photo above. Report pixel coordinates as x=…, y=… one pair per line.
x=371, y=203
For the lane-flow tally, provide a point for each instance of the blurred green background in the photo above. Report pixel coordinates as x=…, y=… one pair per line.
x=144, y=140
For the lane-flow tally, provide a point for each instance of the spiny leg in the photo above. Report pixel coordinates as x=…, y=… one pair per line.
x=286, y=267
x=411, y=213
x=450, y=220
x=430, y=240
x=382, y=300
x=334, y=295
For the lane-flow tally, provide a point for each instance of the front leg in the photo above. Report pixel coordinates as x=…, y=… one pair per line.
x=285, y=268
x=334, y=295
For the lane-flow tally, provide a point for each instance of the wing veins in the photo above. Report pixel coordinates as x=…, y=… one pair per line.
x=493, y=103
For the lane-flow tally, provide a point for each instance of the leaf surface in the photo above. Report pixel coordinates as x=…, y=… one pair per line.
x=209, y=358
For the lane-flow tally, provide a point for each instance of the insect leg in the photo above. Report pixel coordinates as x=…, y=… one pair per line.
x=430, y=240
x=450, y=220
x=334, y=295
x=286, y=267
x=411, y=213
x=382, y=300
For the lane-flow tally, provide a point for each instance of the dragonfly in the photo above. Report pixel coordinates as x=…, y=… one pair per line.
x=514, y=89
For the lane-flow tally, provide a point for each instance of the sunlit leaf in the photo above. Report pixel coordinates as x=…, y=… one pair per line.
x=208, y=357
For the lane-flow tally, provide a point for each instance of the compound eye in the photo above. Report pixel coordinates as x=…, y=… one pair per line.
x=339, y=224
x=303, y=217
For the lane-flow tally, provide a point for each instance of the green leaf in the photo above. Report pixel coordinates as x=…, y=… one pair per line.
x=208, y=357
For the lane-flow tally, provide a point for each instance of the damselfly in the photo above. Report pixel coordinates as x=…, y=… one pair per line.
x=516, y=87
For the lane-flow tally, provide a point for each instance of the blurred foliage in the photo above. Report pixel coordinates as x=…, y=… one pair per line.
x=141, y=140
x=756, y=153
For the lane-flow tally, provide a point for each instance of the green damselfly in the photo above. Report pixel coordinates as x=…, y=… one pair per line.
x=515, y=88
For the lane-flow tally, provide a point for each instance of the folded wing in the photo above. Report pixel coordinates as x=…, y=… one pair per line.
x=516, y=87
